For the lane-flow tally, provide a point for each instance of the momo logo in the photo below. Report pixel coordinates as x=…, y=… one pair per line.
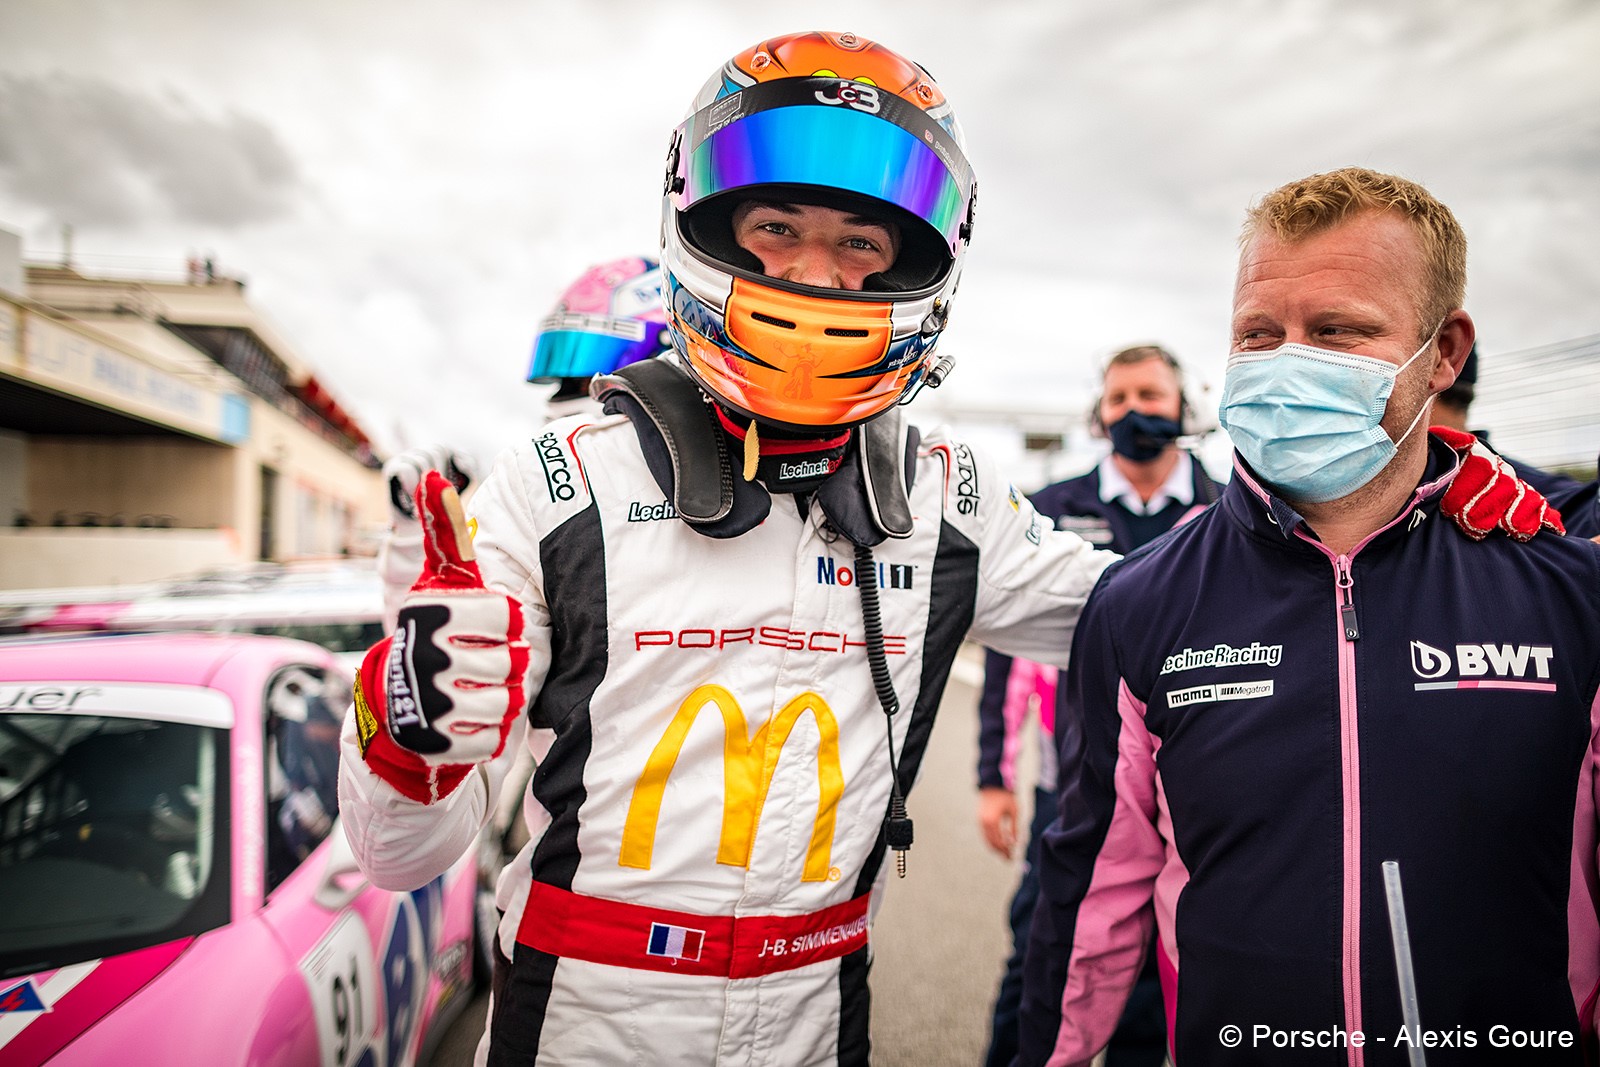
x=890, y=575
x=860, y=96
x=748, y=764
x=1486, y=666
x=557, y=468
x=1209, y=694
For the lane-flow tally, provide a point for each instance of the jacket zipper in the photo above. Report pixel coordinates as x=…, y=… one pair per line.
x=1350, y=762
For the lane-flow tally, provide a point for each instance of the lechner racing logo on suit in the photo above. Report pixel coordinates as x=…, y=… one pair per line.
x=1485, y=666
x=748, y=764
x=638, y=511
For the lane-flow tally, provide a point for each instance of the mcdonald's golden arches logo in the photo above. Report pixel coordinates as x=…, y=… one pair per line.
x=748, y=764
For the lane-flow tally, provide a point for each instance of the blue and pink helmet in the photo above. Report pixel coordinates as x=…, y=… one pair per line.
x=611, y=316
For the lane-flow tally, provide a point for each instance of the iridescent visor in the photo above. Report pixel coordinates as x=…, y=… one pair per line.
x=870, y=154
x=579, y=353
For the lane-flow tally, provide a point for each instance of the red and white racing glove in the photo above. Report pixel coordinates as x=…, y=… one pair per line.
x=438, y=696
x=400, y=554
x=1486, y=493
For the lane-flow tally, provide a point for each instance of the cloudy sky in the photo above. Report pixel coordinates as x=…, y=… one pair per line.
x=408, y=185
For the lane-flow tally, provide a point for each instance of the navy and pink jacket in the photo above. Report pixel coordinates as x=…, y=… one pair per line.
x=1251, y=725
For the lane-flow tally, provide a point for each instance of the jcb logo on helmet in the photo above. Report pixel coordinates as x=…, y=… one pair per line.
x=747, y=772
x=853, y=94
x=1485, y=666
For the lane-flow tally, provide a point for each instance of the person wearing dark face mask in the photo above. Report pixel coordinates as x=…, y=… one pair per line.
x=1145, y=486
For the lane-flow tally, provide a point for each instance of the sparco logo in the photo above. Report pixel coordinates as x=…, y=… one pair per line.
x=810, y=468
x=890, y=575
x=967, y=496
x=1484, y=666
x=638, y=512
x=1221, y=655
x=557, y=471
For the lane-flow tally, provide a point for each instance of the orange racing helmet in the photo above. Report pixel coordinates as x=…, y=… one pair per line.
x=828, y=119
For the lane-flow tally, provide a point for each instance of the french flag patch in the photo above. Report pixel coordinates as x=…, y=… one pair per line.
x=675, y=942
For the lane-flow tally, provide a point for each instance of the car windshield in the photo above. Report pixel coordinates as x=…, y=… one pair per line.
x=112, y=835
x=350, y=636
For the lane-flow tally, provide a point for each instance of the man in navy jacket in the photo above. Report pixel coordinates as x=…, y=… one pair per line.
x=1144, y=487
x=1318, y=675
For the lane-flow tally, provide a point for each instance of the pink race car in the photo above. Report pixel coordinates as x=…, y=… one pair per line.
x=174, y=885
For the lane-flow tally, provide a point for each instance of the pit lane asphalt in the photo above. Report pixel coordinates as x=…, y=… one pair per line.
x=941, y=938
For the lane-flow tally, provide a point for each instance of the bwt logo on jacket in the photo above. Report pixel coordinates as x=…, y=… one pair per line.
x=890, y=575
x=1510, y=665
x=747, y=776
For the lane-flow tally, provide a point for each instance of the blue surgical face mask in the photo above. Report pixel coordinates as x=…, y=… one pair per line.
x=1308, y=420
x=1142, y=437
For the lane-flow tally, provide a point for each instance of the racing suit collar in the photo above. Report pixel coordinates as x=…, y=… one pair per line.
x=865, y=496
x=1261, y=509
x=787, y=463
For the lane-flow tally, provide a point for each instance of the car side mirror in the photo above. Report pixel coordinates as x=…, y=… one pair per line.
x=342, y=880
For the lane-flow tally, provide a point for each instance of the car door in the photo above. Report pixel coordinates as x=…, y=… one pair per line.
x=365, y=954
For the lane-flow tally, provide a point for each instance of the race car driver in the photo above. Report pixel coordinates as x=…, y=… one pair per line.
x=732, y=603
x=692, y=571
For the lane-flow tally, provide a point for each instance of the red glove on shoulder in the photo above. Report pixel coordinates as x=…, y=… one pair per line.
x=438, y=696
x=1486, y=493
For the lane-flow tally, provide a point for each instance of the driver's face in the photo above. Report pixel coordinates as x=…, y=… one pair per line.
x=813, y=245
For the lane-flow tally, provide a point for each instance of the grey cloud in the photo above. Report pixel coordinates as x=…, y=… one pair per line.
x=93, y=154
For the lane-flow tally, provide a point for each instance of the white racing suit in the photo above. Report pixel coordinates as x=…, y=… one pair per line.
x=713, y=774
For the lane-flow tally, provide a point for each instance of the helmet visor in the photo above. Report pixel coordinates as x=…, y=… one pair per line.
x=786, y=133
x=577, y=346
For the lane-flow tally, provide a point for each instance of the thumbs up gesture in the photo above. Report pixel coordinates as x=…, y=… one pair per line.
x=439, y=695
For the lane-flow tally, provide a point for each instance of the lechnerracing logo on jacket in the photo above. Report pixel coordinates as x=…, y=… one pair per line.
x=1473, y=665
x=1223, y=655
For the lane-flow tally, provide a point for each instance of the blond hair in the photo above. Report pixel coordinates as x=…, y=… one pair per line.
x=1313, y=205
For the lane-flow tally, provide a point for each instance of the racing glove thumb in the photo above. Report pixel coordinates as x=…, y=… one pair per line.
x=438, y=696
x=405, y=473
x=1486, y=493
x=400, y=553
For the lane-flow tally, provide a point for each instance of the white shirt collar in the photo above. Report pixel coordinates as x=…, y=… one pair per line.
x=1178, y=488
